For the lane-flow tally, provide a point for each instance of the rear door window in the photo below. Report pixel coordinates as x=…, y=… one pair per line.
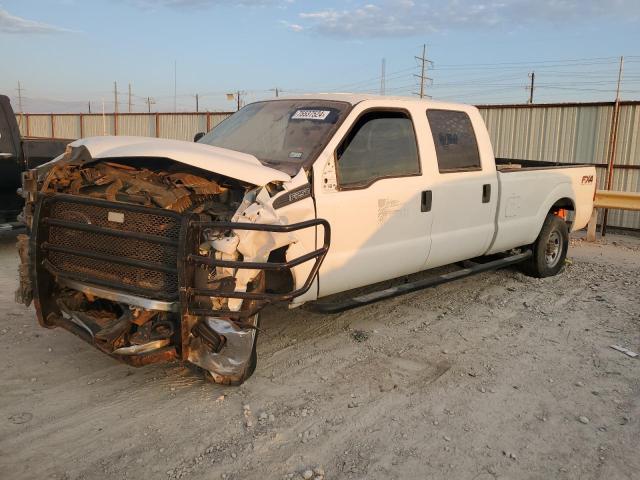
x=382, y=144
x=455, y=141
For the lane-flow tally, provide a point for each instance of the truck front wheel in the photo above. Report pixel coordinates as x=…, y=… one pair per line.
x=549, y=249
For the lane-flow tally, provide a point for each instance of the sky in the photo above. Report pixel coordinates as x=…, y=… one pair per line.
x=67, y=54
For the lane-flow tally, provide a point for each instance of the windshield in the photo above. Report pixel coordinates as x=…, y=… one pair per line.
x=283, y=134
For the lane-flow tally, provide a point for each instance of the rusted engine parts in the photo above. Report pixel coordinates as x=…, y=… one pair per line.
x=115, y=328
x=179, y=191
x=130, y=332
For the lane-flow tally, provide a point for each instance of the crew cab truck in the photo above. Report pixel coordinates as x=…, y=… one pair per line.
x=18, y=154
x=156, y=249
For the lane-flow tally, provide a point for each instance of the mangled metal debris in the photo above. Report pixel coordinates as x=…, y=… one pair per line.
x=150, y=261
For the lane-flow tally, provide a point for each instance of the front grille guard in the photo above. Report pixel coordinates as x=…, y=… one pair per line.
x=187, y=240
x=258, y=299
x=44, y=248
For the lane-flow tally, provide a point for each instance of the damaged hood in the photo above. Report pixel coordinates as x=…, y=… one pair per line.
x=237, y=165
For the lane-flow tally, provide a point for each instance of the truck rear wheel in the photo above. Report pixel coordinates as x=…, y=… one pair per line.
x=549, y=249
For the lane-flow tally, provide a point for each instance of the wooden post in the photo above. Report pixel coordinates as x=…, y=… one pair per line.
x=53, y=127
x=591, y=227
x=157, y=125
x=81, y=126
x=208, y=122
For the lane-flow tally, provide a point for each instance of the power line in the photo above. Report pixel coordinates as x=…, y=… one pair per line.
x=375, y=79
x=566, y=60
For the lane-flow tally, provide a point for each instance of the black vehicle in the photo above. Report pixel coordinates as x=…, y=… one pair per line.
x=18, y=154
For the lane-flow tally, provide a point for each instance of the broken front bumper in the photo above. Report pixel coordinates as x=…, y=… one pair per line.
x=144, y=258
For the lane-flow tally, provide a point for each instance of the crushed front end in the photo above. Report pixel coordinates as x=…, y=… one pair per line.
x=151, y=261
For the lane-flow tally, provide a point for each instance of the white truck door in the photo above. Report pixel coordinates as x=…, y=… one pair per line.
x=465, y=189
x=372, y=192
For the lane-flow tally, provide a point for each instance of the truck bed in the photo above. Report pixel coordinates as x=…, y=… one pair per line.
x=530, y=189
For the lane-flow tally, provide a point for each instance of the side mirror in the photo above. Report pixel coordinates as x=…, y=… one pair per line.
x=198, y=136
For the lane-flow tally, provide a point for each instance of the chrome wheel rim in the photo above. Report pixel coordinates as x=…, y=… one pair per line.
x=553, y=249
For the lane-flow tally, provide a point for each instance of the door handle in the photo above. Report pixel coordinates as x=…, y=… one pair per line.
x=486, y=193
x=425, y=201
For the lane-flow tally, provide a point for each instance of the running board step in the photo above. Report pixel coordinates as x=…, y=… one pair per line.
x=366, y=299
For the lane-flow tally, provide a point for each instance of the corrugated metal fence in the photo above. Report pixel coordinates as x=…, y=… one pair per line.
x=181, y=126
x=568, y=133
x=573, y=133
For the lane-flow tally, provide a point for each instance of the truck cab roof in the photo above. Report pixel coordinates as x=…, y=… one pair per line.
x=356, y=98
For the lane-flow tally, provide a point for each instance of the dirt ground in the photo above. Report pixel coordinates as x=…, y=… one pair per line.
x=495, y=376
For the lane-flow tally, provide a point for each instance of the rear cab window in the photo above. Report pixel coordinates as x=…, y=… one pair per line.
x=455, y=141
x=381, y=144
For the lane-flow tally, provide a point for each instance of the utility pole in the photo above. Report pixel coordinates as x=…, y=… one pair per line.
x=424, y=62
x=175, y=83
x=383, y=77
x=89, y=105
x=237, y=96
x=532, y=76
x=197, y=103
x=277, y=92
x=115, y=97
x=104, y=120
x=149, y=101
x=613, y=138
x=130, y=98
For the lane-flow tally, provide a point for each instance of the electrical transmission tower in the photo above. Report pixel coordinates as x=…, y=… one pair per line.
x=424, y=62
x=20, y=89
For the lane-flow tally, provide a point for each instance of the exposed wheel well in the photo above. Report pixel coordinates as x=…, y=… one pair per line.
x=562, y=205
x=279, y=281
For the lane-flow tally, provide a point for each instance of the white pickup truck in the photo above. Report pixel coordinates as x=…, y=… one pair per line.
x=154, y=249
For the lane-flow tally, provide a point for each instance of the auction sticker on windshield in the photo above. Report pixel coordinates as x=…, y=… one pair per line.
x=310, y=115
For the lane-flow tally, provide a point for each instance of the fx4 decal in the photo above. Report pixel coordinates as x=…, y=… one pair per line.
x=587, y=179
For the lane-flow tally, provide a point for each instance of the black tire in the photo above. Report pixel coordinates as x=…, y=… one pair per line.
x=549, y=249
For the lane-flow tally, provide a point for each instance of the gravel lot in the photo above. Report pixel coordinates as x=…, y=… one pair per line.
x=495, y=376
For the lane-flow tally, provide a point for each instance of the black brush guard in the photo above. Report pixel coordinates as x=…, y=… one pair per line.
x=147, y=254
x=259, y=299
